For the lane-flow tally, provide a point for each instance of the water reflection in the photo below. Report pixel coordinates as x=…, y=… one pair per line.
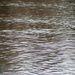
x=37, y=37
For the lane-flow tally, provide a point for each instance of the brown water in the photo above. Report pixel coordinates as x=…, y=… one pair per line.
x=37, y=37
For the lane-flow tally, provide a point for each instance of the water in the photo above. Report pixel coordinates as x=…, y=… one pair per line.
x=37, y=37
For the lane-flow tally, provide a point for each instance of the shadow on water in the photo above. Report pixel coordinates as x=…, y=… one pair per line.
x=37, y=37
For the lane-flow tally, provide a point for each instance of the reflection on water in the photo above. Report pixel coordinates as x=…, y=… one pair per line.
x=37, y=37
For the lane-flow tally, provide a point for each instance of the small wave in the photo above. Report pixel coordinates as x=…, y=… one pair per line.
x=27, y=4
x=24, y=20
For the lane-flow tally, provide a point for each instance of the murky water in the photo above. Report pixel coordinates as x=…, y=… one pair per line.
x=37, y=37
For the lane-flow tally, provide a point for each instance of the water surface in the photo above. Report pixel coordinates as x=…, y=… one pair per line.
x=37, y=37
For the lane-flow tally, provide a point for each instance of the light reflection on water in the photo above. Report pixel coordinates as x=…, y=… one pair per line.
x=37, y=37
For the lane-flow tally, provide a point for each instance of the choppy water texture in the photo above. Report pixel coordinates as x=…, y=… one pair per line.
x=37, y=37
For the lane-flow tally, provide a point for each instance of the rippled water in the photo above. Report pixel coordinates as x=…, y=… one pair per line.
x=37, y=37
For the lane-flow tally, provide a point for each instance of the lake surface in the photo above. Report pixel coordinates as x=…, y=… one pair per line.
x=37, y=37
